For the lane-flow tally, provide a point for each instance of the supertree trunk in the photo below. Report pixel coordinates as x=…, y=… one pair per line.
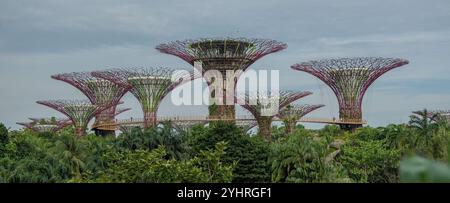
x=265, y=127
x=150, y=120
x=105, y=117
x=225, y=110
x=222, y=110
x=289, y=125
x=349, y=112
x=80, y=131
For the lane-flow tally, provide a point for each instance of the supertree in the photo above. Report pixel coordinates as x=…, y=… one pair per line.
x=80, y=112
x=292, y=113
x=262, y=107
x=99, y=92
x=223, y=55
x=149, y=86
x=46, y=124
x=349, y=79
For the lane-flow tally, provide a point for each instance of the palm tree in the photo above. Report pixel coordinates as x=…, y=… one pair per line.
x=69, y=152
x=425, y=124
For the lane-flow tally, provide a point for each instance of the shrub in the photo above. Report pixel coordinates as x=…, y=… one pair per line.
x=142, y=166
x=251, y=153
x=421, y=170
x=369, y=161
x=299, y=158
x=148, y=139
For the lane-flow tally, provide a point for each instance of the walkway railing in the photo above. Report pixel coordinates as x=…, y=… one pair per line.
x=117, y=123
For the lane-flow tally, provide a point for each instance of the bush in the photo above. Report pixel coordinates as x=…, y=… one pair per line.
x=164, y=154
x=3, y=133
x=420, y=170
x=141, y=166
x=398, y=137
x=251, y=153
x=301, y=159
x=3, y=137
x=148, y=139
x=369, y=161
x=26, y=158
x=369, y=133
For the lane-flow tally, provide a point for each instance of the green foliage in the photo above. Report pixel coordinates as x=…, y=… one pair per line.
x=26, y=159
x=3, y=134
x=213, y=109
x=330, y=130
x=431, y=134
x=299, y=158
x=369, y=133
x=278, y=133
x=422, y=122
x=3, y=137
x=30, y=157
x=223, y=153
x=147, y=139
x=141, y=166
x=369, y=161
x=251, y=153
x=420, y=170
x=399, y=137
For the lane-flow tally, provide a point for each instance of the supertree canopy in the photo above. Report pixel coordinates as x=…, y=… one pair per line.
x=263, y=110
x=80, y=112
x=292, y=113
x=222, y=54
x=149, y=86
x=349, y=79
x=46, y=124
x=99, y=91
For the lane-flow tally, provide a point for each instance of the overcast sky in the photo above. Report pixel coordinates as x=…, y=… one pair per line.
x=45, y=37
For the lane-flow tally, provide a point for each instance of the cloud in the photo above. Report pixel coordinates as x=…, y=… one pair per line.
x=411, y=37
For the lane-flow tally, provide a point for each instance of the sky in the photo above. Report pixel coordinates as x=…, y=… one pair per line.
x=45, y=37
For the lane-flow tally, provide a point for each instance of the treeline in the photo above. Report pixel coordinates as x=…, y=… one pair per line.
x=223, y=152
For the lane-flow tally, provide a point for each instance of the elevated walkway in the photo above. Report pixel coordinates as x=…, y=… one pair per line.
x=136, y=121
